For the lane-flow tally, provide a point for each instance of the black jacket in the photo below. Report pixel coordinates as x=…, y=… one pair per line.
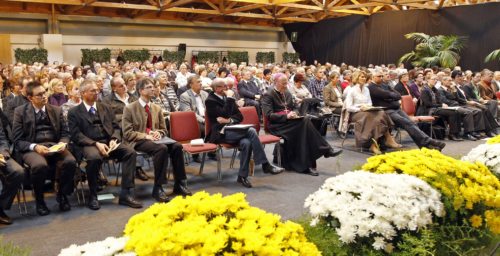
x=384, y=96
x=217, y=107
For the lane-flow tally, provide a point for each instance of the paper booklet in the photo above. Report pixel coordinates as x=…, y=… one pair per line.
x=2, y=160
x=236, y=127
x=112, y=146
x=197, y=142
x=165, y=140
x=57, y=147
x=372, y=108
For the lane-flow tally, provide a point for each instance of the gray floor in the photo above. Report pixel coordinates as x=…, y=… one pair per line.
x=283, y=194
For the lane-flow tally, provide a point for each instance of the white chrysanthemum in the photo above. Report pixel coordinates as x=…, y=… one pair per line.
x=375, y=205
x=487, y=154
x=108, y=247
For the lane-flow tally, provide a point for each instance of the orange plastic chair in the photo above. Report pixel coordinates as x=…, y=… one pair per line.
x=184, y=128
x=409, y=108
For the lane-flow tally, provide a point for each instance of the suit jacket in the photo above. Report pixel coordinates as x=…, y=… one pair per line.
x=80, y=123
x=4, y=142
x=448, y=98
x=486, y=91
x=217, y=107
x=117, y=105
x=402, y=90
x=428, y=102
x=330, y=97
x=384, y=96
x=134, y=122
x=188, y=103
x=248, y=90
x=23, y=128
x=470, y=90
x=13, y=104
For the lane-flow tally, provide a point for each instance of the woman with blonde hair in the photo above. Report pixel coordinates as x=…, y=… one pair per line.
x=372, y=125
x=57, y=96
x=74, y=98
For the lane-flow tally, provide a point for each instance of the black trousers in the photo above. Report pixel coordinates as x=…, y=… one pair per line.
x=40, y=166
x=11, y=176
x=160, y=153
x=450, y=115
x=122, y=153
x=401, y=119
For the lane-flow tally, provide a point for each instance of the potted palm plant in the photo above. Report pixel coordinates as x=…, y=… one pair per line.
x=494, y=55
x=439, y=50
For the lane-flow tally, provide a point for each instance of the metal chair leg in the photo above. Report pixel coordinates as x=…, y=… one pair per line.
x=203, y=155
x=233, y=157
x=218, y=154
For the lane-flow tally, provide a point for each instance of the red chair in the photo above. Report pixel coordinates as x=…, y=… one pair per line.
x=208, y=127
x=184, y=128
x=498, y=95
x=266, y=138
x=409, y=108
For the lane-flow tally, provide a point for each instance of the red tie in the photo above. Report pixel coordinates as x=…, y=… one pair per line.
x=149, y=124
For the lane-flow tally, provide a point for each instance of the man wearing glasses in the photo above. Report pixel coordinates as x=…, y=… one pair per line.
x=144, y=124
x=37, y=127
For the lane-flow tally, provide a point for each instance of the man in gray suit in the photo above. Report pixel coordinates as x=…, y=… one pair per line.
x=194, y=100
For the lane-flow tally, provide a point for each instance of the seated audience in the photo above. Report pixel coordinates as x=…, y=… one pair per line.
x=119, y=98
x=221, y=111
x=303, y=143
x=250, y=92
x=141, y=133
x=38, y=126
x=332, y=94
x=92, y=128
x=299, y=91
x=371, y=126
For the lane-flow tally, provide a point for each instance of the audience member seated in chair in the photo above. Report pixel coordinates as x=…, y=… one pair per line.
x=383, y=95
x=332, y=94
x=143, y=123
x=371, y=125
x=222, y=110
x=38, y=126
x=250, y=92
x=11, y=176
x=303, y=143
x=93, y=128
x=194, y=100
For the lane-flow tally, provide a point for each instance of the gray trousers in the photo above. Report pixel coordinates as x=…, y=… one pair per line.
x=248, y=143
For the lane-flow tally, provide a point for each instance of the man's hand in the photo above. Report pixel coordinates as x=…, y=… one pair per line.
x=154, y=136
x=222, y=120
x=41, y=149
x=257, y=97
x=103, y=148
x=364, y=107
x=240, y=103
x=229, y=93
x=444, y=105
x=291, y=115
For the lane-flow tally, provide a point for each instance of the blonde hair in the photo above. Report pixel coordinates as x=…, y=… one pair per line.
x=357, y=74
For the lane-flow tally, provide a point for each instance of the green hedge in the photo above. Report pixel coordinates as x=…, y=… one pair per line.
x=29, y=56
x=97, y=55
x=265, y=57
x=237, y=57
x=174, y=56
x=136, y=55
x=290, y=57
x=210, y=56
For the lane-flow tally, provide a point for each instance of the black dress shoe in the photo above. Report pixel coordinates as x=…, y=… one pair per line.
x=140, y=174
x=41, y=209
x=160, y=196
x=269, y=168
x=332, y=153
x=181, y=189
x=94, y=203
x=468, y=136
x=439, y=145
x=311, y=172
x=490, y=134
x=454, y=138
x=196, y=159
x=129, y=201
x=64, y=205
x=4, y=219
x=244, y=181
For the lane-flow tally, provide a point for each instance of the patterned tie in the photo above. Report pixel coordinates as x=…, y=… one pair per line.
x=149, y=123
x=92, y=110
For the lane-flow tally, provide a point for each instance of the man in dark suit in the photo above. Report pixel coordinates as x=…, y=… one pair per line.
x=11, y=176
x=16, y=100
x=222, y=110
x=250, y=92
x=37, y=127
x=143, y=123
x=93, y=128
x=383, y=95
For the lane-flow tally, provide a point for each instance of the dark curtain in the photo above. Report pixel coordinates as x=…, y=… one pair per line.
x=379, y=38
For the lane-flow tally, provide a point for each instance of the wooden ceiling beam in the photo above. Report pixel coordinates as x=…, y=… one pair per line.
x=211, y=4
x=423, y=6
x=64, y=2
x=352, y=12
x=75, y=8
x=243, y=8
x=441, y=2
x=297, y=13
x=359, y=4
x=303, y=6
x=266, y=11
x=281, y=11
x=354, y=6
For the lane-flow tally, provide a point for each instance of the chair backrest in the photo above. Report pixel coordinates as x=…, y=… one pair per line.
x=250, y=117
x=184, y=126
x=407, y=105
x=208, y=125
x=498, y=95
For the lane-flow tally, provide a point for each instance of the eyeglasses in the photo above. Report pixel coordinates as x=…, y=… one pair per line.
x=40, y=95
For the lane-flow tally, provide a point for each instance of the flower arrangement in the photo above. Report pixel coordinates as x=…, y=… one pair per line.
x=487, y=154
x=205, y=224
x=470, y=190
x=494, y=140
x=107, y=247
x=374, y=206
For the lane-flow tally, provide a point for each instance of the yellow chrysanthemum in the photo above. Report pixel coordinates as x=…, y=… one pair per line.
x=476, y=221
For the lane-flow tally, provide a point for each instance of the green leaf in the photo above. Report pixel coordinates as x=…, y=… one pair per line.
x=237, y=57
x=30, y=56
x=174, y=56
x=494, y=55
